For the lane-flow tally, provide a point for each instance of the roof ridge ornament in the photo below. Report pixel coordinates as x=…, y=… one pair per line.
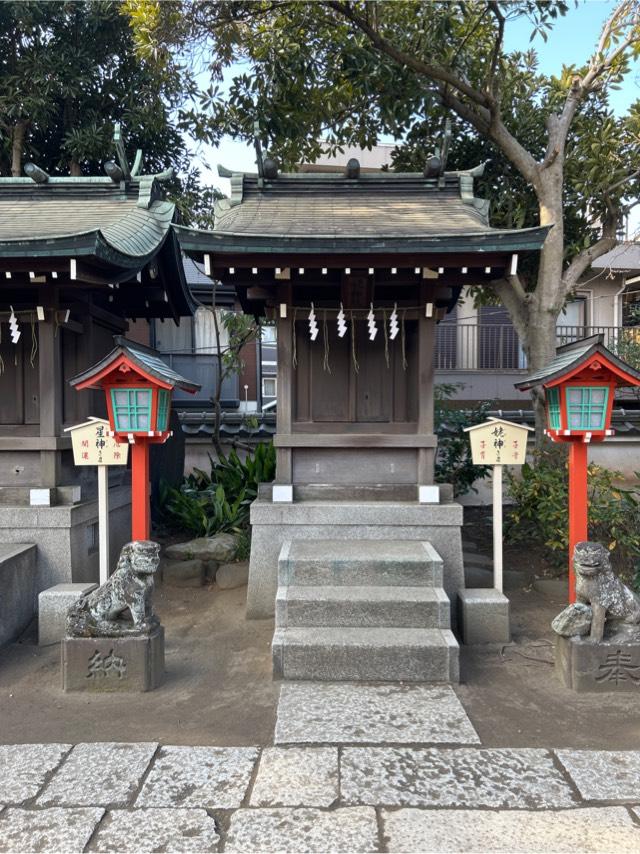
x=31, y=170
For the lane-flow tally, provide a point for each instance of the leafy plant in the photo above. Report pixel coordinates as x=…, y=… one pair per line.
x=219, y=501
x=540, y=493
x=453, y=458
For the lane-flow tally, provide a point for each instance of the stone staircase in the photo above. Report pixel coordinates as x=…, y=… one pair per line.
x=370, y=610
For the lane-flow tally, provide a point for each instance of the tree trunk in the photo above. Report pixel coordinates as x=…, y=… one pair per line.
x=17, y=147
x=547, y=299
x=75, y=169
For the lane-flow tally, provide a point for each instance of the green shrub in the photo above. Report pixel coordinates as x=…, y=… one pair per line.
x=219, y=501
x=541, y=511
x=453, y=458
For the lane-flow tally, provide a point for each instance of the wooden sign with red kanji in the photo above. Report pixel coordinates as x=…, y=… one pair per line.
x=497, y=442
x=93, y=446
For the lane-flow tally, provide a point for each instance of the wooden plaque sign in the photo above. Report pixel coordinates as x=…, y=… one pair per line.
x=497, y=442
x=92, y=445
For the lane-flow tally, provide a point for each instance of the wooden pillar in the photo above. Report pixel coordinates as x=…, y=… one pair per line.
x=426, y=345
x=140, y=498
x=50, y=391
x=578, y=505
x=285, y=332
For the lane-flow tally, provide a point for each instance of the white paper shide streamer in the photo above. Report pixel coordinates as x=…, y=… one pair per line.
x=313, y=326
x=342, y=323
x=393, y=323
x=371, y=322
x=13, y=327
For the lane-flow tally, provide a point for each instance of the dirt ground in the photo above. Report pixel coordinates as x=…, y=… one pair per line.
x=219, y=689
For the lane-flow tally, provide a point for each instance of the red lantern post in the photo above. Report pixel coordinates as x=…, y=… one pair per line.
x=138, y=386
x=580, y=386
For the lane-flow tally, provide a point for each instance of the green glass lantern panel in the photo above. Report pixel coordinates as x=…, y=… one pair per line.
x=587, y=407
x=131, y=409
x=163, y=409
x=553, y=406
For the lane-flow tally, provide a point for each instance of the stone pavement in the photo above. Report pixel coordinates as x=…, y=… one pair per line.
x=395, y=768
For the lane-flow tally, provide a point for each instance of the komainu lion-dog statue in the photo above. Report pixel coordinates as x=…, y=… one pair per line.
x=603, y=600
x=122, y=605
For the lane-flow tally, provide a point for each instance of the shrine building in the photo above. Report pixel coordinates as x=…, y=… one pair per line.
x=81, y=260
x=356, y=269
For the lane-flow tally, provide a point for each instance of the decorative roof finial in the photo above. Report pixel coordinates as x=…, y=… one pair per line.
x=352, y=169
x=35, y=173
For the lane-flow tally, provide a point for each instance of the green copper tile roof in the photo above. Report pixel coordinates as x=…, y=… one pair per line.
x=82, y=216
x=385, y=212
x=148, y=361
x=571, y=356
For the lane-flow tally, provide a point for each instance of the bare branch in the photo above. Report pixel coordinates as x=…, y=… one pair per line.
x=581, y=263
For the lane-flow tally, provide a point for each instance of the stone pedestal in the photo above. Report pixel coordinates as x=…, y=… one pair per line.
x=604, y=667
x=108, y=665
x=483, y=616
x=53, y=605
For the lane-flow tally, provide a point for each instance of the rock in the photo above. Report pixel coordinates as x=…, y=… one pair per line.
x=221, y=547
x=231, y=575
x=183, y=573
x=210, y=569
x=574, y=621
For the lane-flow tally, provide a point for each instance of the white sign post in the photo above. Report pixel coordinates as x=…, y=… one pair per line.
x=93, y=446
x=496, y=443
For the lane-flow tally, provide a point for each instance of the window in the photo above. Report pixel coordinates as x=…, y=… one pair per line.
x=131, y=408
x=269, y=386
x=268, y=333
x=553, y=406
x=587, y=407
x=163, y=409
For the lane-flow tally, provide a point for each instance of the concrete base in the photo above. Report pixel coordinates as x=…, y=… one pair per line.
x=604, y=667
x=274, y=524
x=53, y=605
x=483, y=616
x=109, y=665
x=17, y=589
x=66, y=536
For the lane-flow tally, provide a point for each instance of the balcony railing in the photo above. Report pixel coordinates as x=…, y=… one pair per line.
x=496, y=347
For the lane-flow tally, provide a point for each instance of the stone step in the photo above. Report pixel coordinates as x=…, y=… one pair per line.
x=402, y=607
x=377, y=563
x=366, y=654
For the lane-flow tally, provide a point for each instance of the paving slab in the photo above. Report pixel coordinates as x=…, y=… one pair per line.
x=99, y=774
x=349, y=713
x=595, y=830
x=604, y=775
x=157, y=830
x=303, y=830
x=296, y=776
x=24, y=768
x=207, y=777
x=464, y=777
x=49, y=830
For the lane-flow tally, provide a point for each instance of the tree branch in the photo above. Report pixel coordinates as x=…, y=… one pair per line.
x=434, y=72
x=583, y=261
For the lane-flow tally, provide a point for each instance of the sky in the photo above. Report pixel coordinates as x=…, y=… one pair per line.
x=571, y=41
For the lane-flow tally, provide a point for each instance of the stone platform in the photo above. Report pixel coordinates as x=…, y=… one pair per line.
x=609, y=666
x=274, y=524
x=108, y=665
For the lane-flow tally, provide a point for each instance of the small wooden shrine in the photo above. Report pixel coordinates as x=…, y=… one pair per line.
x=356, y=269
x=81, y=260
